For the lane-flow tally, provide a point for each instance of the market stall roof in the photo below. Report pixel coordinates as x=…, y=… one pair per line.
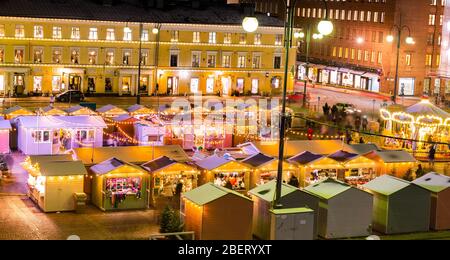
x=433, y=182
x=323, y=147
x=17, y=110
x=217, y=163
x=291, y=211
x=343, y=156
x=139, y=110
x=111, y=110
x=364, y=148
x=79, y=110
x=133, y=154
x=386, y=185
x=62, y=122
x=52, y=111
x=426, y=108
x=328, y=188
x=391, y=156
x=258, y=160
x=166, y=165
x=62, y=168
x=125, y=117
x=208, y=193
x=305, y=158
x=111, y=165
x=5, y=125
x=267, y=191
x=33, y=159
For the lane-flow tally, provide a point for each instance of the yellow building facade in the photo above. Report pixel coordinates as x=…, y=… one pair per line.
x=42, y=56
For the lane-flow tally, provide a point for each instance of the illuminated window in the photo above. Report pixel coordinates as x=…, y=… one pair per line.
x=19, y=54
x=92, y=56
x=211, y=60
x=38, y=55
x=212, y=37
x=109, y=60
x=93, y=34
x=258, y=39
x=278, y=39
x=126, y=57
x=226, y=60
x=75, y=33
x=127, y=34
x=174, y=36
x=243, y=38
x=242, y=58
x=38, y=31
x=196, y=37
x=57, y=32
x=20, y=31
x=196, y=59
x=75, y=56
x=144, y=36
x=227, y=38
x=110, y=34
x=2, y=30
x=57, y=55
x=408, y=59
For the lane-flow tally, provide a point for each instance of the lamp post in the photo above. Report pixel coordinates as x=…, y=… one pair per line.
x=138, y=89
x=157, y=32
x=325, y=27
x=409, y=40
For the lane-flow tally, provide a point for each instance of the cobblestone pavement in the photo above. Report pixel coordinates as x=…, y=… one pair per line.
x=20, y=219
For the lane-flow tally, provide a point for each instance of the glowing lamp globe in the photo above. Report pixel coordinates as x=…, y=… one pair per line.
x=250, y=24
x=410, y=40
x=325, y=27
x=390, y=38
x=155, y=31
x=296, y=35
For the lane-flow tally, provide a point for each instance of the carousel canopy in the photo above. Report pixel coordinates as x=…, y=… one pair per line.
x=323, y=147
x=258, y=160
x=343, y=156
x=305, y=158
x=267, y=191
x=208, y=193
x=328, y=188
x=433, y=182
x=62, y=168
x=426, y=108
x=387, y=185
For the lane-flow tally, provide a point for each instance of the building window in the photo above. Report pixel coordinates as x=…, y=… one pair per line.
x=174, y=35
x=38, y=55
x=109, y=60
x=277, y=62
x=174, y=59
x=196, y=59
x=196, y=37
x=144, y=57
x=210, y=85
x=108, y=85
x=57, y=32
x=242, y=58
x=126, y=59
x=56, y=55
x=227, y=38
x=428, y=60
x=255, y=86
x=256, y=61
x=2, y=55
x=278, y=39
x=110, y=34
x=56, y=83
x=211, y=60
x=240, y=85
x=20, y=31
x=93, y=34
x=408, y=59
x=38, y=31
x=37, y=84
x=242, y=38
x=431, y=19
x=19, y=54
x=406, y=86
x=127, y=34
x=144, y=36
x=75, y=33
x=258, y=39
x=212, y=37
x=226, y=60
x=92, y=57
x=194, y=85
x=2, y=30
x=75, y=56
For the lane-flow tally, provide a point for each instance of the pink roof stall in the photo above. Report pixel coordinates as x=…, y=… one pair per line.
x=5, y=128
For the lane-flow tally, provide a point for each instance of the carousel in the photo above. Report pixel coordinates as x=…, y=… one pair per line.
x=423, y=122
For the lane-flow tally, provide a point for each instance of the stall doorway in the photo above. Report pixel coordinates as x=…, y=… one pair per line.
x=74, y=82
x=19, y=83
x=226, y=85
x=172, y=85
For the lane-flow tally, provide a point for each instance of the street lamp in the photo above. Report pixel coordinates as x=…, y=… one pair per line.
x=138, y=90
x=409, y=40
x=250, y=25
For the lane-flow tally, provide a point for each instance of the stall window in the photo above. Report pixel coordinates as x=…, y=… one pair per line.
x=84, y=136
x=236, y=181
x=124, y=186
x=406, y=87
x=41, y=136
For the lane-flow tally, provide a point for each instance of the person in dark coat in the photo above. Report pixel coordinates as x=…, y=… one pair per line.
x=293, y=181
x=432, y=154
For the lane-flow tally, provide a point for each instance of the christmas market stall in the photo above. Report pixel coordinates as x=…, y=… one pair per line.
x=399, y=206
x=167, y=174
x=5, y=129
x=393, y=162
x=51, y=111
x=16, y=111
x=47, y=135
x=263, y=198
x=345, y=211
x=111, y=111
x=358, y=169
x=265, y=169
x=225, y=172
x=151, y=133
x=217, y=213
x=80, y=111
x=439, y=186
x=119, y=185
x=120, y=130
x=55, y=185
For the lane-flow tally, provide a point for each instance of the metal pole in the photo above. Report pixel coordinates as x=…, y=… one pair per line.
x=399, y=39
x=288, y=39
x=138, y=94
x=308, y=41
x=156, y=61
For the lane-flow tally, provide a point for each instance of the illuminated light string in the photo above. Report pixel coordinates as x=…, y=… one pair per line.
x=396, y=117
